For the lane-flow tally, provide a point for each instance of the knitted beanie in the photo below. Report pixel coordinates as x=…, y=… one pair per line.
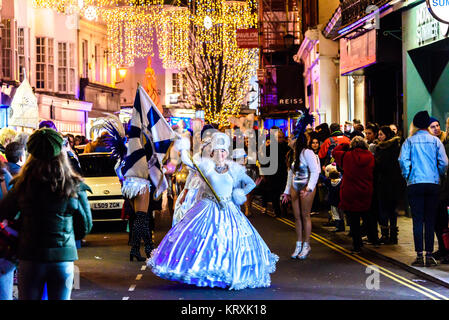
x=421, y=120
x=45, y=144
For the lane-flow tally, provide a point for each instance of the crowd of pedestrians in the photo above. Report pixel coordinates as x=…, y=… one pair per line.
x=363, y=176
x=44, y=211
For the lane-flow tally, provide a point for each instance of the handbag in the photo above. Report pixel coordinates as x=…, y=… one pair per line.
x=446, y=238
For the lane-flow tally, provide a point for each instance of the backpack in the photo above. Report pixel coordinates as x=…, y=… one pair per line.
x=329, y=158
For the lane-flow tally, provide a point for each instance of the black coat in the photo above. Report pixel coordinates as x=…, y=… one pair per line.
x=387, y=172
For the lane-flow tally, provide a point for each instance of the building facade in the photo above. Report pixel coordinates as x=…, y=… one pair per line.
x=47, y=54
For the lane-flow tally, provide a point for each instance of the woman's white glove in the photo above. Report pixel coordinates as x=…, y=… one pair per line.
x=239, y=196
x=182, y=144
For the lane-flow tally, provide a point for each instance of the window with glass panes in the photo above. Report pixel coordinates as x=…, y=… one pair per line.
x=72, y=67
x=62, y=66
x=51, y=65
x=40, y=63
x=6, y=49
x=176, y=83
x=21, y=52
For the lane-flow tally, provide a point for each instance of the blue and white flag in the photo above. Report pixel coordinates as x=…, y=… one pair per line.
x=150, y=137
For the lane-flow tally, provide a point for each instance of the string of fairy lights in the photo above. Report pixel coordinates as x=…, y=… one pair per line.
x=204, y=32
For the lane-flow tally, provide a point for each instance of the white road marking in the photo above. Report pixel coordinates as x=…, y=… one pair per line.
x=132, y=287
x=139, y=276
x=125, y=298
x=144, y=267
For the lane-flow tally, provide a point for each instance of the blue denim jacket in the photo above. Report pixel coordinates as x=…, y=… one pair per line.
x=423, y=159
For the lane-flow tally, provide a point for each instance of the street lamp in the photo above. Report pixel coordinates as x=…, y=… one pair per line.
x=122, y=71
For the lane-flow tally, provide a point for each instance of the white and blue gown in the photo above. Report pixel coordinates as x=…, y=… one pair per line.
x=214, y=246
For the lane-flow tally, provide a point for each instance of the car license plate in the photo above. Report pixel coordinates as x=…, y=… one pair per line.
x=106, y=205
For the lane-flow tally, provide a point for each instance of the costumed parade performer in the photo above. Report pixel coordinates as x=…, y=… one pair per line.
x=303, y=173
x=149, y=139
x=215, y=245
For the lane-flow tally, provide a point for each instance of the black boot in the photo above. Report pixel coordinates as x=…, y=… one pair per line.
x=140, y=227
x=148, y=234
x=385, y=239
x=394, y=235
x=340, y=225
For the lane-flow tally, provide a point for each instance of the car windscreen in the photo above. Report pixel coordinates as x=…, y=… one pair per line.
x=97, y=166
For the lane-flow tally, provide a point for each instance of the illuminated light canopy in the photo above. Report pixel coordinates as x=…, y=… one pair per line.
x=90, y=13
x=198, y=39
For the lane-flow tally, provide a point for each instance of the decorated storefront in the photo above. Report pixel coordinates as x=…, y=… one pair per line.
x=69, y=115
x=426, y=57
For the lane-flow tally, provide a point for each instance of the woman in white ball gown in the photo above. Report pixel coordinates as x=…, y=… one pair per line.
x=190, y=195
x=215, y=245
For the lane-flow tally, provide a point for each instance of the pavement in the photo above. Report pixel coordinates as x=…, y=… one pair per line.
x=402, y=254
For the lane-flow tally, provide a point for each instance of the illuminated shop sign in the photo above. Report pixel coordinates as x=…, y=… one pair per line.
x=428, y=28
x=439, y=9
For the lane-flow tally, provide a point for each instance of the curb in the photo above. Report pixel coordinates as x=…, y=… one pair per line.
x=391, y=260
x=377, y=254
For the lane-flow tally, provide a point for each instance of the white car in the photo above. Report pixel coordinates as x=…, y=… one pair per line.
x=106, y=201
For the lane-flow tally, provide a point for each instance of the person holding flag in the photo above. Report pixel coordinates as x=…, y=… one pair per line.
x=149, y=138
x=215, y=245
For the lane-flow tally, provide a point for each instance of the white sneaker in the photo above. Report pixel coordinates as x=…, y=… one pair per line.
x=297, y=250
x=305, y=251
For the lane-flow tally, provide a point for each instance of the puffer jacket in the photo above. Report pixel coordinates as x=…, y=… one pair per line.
x=356, y=189
x=48, y=224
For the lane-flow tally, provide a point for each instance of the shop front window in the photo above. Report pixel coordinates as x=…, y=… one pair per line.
x=6, y=49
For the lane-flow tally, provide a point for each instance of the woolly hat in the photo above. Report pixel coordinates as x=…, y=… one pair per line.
x=421, y=120
x=221, y=141
x=432, y=120
x=45, y=144
x=47, y=124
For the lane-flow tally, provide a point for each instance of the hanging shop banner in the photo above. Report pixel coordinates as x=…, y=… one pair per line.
x=357, y=53
x=24, y=111
x=247, y=38
x=290, y=87
x=439, y=9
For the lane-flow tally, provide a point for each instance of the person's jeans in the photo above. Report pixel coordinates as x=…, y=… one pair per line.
x=423, y=199
x=6, y=279
x=33, y=275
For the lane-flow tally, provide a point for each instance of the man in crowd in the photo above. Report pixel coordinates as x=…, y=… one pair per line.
x=336, y=138
x=442, y=215
x=435, y=129
x=348, y=128
x=15, y=155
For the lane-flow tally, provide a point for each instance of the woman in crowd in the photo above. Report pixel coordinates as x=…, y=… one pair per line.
x=215, y=245
x=7, y=267
x=303, y=173
x=388, y=181
x=423, y=160
x=314, y=143
x=357, y=163
x=54, y=211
